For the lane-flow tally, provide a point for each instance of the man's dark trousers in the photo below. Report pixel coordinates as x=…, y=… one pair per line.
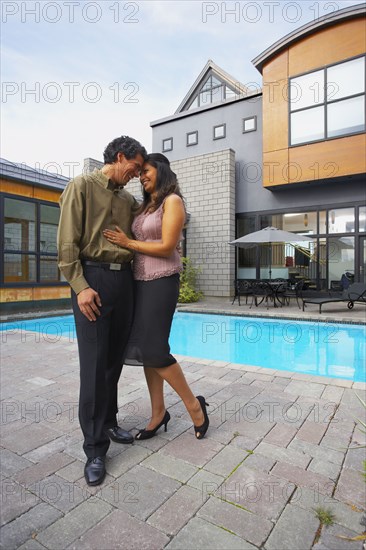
x=101, y=345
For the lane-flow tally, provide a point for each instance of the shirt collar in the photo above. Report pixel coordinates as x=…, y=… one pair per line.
x=106, y=182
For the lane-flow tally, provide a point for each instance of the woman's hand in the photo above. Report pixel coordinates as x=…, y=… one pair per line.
x=118, y=237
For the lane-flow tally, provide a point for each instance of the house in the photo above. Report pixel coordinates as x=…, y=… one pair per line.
x=29, y=276
x=291, y=155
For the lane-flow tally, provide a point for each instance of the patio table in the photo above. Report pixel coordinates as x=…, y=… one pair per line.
x=268, y=290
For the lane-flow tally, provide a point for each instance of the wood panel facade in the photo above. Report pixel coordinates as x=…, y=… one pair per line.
x=336, y=157
x=32, y=294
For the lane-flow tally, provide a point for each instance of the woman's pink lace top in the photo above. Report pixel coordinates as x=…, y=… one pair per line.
x=148, y=227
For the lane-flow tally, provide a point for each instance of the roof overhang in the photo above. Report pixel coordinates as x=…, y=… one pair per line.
x=352, y=12
x=200, y=110
x=23, y=173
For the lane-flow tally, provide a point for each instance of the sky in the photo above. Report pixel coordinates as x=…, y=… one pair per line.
x=76, y=73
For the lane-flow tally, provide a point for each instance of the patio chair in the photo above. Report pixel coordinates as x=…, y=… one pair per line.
x=356, y=292
x=261, y=292
x=279, y=290
x=294, y=291
x=242, y=288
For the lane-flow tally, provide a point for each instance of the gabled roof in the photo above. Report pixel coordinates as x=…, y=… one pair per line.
x=333, y=18
x=23, y=172
x=211, y=69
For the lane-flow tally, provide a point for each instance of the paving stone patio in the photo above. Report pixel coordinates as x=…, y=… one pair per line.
x=279, y=446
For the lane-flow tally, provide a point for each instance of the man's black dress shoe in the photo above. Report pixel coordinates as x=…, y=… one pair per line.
x=94, y=470
x=118, y=435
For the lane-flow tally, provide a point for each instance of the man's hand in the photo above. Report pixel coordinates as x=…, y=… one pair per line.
x=88, y=302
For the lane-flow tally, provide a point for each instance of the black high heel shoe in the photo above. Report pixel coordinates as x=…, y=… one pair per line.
x=147, y=434
x=200, y=431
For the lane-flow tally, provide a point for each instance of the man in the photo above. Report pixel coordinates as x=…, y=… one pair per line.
x=100, y=277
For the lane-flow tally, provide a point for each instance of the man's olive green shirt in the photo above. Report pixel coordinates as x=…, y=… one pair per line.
x=89, y=204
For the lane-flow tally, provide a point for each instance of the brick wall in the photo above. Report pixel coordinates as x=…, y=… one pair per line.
x=208, y=184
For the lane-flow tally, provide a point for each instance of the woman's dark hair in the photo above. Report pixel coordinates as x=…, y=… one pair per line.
x=166, y=182
x=128, y=146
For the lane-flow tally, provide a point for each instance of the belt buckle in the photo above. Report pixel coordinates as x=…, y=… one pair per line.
x=115, y=267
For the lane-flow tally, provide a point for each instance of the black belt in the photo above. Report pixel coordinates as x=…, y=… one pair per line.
x=111, y=266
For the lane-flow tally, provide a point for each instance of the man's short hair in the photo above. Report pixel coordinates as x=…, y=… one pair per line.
x=129, y=146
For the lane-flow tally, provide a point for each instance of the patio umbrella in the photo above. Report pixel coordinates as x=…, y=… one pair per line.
x=269, y=235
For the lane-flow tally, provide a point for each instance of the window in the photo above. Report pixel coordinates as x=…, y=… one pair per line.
x=362, y=218
x=341, y=220
x=30, y=252
x=299, y=222
x=213, y=90
x=341, y=257
x=328, y=103
x=192, y=138
x=336, y=245
x=246, y=256
x=249, y=124
x=219, y=132
x=49, y=216
x=167, y=144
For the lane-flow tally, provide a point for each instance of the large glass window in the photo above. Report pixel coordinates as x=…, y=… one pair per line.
x=49, y=216
x=246, y=256
x=346, y=117
x=307, y=125
x=322, y=221
x=346, y=79
x=295, y=222
x=300, y=222
x=335, y=242
x=30, y=250
x=20, y=225
x=362, y=218
x=328, y=103
x=341, y=257
x=341, y=220
x=19, y=268
x=307, y=90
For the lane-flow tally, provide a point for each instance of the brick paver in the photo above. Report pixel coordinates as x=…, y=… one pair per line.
x=253, y=528
x=277, y=448
x=281, y=435
x=296, y=528
x=201, y=534
x=177, y=510
x=119, y=529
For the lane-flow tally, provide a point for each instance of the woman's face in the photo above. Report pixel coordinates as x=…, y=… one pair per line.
x=148, y=178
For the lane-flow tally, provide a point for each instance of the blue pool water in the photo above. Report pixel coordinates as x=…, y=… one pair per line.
x=326, y=349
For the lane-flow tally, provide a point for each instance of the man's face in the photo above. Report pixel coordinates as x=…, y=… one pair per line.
x=126, y=169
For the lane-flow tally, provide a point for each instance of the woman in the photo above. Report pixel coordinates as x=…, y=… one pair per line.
x=157, y=264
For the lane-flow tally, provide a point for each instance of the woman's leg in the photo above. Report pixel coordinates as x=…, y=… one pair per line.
x=176, y=379
x=158, y=300
x=155, y=385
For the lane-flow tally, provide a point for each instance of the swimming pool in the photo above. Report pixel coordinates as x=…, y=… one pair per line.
x=327, y=349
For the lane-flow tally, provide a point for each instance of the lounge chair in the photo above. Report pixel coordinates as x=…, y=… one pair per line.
x=356, y=292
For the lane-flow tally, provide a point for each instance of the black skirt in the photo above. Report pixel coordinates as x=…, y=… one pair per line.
x=154, y=309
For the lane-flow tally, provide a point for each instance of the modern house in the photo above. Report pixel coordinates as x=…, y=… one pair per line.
x=290, y=155
x=29, y=214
